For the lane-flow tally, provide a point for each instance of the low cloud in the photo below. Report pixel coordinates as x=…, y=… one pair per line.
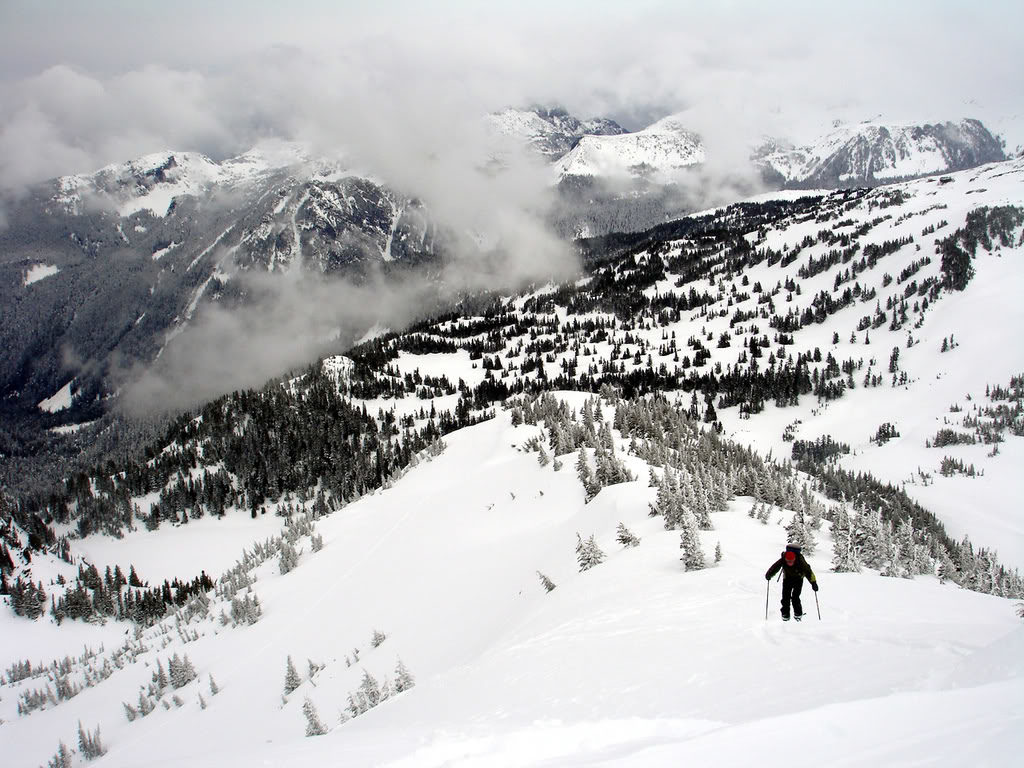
x=400, y=93
x=287, y=321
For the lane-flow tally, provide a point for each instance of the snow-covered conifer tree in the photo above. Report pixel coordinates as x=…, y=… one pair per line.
x=702, y=508
x=371, y=689
x=160, y=677
x=799, y=533
x=625, y=537
x=291, y=677
x=90, y=745
x=289, y=557
x=846, y=558
x=586, y=477
x=547, y=583
x=62, y=759
x=689, y=542
x=588, y=554
x=181, y=671
x=314, y=726
x=906, y=549
x=403, y=678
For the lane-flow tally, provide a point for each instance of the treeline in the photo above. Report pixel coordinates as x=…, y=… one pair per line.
x=112, y=596
x=245, y=450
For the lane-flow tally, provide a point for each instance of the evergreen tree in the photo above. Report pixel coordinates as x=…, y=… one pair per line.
x=160, y=677
x=585, y=475
x=314, y=726
x=588, y=554
x=845, y=557
x=62, y=759
x=403, y=678
x=689, y=542
x=89, y=744
x=547, y=583
x=291, y=677
x=625, y=537
x=289, y=557
x=799, y=533
x=181, y=671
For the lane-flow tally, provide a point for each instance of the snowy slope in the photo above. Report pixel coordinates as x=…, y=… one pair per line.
x=983, y=319
x=634, y=662
x=657, y=151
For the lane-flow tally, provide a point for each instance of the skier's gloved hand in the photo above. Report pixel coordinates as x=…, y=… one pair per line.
x=814, y=586
x=767, y=577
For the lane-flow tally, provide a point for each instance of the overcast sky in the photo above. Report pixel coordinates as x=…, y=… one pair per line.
x=83, y=84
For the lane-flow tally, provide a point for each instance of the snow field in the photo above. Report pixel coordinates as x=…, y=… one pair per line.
x=634, y=662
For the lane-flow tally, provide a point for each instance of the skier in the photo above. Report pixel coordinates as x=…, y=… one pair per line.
x=794, y=569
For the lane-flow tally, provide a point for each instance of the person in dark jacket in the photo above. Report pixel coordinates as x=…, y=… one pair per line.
x=794, y=569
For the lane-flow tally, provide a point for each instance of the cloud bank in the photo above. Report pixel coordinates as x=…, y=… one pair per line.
x=216, y=80
x=399, y=89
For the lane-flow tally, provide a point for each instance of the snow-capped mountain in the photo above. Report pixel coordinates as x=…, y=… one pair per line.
x=850, y=155
x=152, y=182
x=548, y=131
x=287, y=205
x=652, y=435
x=872, y=153
x=116, y=263
x=645, y=168
x=657, y=152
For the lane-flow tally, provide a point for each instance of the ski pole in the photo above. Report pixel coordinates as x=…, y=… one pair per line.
x=767, y=592
x=817, y=604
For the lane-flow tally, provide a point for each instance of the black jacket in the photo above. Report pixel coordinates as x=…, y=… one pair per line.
x=799, y=569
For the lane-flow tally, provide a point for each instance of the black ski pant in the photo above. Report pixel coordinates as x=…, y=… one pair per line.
x=791, y=593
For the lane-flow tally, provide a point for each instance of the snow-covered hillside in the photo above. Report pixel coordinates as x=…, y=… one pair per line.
x=635, y=661
x=875, y=329
x=657, y=152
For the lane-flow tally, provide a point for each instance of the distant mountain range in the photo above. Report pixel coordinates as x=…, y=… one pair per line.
x=853, y=154
x=103, y=270
x=872, y=153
